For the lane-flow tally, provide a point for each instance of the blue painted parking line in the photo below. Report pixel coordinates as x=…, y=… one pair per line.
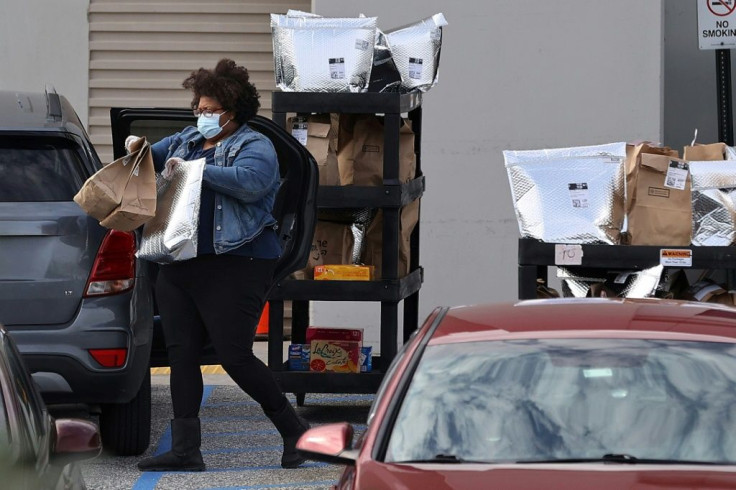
x=149, y=479
x=320, y=484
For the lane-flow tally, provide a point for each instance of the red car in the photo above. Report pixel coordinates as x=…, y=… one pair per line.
x=37, y=451
x=553, y=394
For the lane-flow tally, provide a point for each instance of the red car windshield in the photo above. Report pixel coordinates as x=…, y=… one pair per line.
x=566, y=399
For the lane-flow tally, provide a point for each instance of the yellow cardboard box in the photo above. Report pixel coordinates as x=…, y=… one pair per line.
x=342, y=272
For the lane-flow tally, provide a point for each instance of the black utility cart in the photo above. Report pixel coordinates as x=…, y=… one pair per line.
x=390, y=290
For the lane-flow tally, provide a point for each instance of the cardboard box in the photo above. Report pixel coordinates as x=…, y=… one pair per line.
x=343, y=272
x=366, y=359
x=334, y=349
x=339, y=356
x=329, y=333
x=298, y=357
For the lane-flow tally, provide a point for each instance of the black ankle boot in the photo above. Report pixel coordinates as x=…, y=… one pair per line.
x=186, y=438
x=291, y=427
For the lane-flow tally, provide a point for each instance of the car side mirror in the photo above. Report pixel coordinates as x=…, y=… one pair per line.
x=75, y=439
x=331, y=443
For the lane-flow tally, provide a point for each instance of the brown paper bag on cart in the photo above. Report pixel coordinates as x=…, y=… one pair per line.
x=320, y=138
x=661, y=211
x=633, y=160
x=103, y=192
x=332, y=244
x=138, y=203
x=699, y=153
x=345, y=124
x=367, y=146
x=373, y=241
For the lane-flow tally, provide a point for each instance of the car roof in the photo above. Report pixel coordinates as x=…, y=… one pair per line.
x=37, y=111
x=588, y=317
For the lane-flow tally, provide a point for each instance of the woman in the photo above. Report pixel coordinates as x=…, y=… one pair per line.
x=221, y=291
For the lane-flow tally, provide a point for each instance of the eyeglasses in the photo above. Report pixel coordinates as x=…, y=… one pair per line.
x=208, y=112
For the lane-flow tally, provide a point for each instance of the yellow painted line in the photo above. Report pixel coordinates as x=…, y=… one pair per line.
x=214, y=369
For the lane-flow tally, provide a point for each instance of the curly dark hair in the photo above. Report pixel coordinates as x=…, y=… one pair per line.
x=229, y=84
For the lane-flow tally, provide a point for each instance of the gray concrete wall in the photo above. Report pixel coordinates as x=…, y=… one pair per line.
x=690, y=79
x=512, y=76
x=46, y=41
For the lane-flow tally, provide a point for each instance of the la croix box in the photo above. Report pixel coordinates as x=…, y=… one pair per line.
x=334, y=349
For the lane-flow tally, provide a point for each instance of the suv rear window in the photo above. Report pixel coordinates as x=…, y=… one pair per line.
x=39, y=169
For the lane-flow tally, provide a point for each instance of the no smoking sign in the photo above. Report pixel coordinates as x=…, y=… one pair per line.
x=715, y=21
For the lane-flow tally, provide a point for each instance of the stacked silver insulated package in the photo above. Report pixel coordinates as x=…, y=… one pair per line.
x=714, y=202
x=329, y=54
x=569, y=195
x=321, y=54
x=416, y=52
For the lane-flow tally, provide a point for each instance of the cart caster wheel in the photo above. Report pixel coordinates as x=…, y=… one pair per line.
x=300, y=399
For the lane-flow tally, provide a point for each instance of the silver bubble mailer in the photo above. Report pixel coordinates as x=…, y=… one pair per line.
x=171, y=235
x=416, y=51
x=621, y=284
x=569, y=195
x=322, y=54
x=714, y=203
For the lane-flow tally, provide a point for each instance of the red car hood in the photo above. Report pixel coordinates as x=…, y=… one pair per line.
x=548, y=477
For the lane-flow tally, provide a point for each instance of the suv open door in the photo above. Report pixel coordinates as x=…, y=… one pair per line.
x=296, y=203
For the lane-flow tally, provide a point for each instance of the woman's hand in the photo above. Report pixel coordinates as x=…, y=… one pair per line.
x=130, y=142
x=169, y=167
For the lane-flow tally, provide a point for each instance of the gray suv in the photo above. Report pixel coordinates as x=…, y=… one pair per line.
x=72, y=294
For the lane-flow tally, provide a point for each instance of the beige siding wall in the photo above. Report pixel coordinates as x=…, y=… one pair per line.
x=140, y=51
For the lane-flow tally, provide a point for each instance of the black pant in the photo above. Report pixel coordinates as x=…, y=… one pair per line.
x=221, y=296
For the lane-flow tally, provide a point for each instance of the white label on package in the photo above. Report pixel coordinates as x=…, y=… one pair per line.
x=578, y=194
x=362, y=44
x=568, y=254
x=676, y=257
x=676, y=175
x=299, y=131
x=337, y=68
x=415, y=68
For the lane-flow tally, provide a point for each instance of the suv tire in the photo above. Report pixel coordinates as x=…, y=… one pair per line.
x=126, y=427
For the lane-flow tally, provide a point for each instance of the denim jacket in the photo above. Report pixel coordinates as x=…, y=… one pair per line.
x=245, y=178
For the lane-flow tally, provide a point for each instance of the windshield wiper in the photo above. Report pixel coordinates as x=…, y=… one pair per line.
x=443, y=459
x=621, y=459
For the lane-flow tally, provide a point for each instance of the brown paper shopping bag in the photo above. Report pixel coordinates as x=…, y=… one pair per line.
x=373, y=251
x=633, y=161
x=138, y=203
x=332, y=244
x=103, y=192
x=367, y=149
x=699, y=153
x=661, y=211
x=320, y=137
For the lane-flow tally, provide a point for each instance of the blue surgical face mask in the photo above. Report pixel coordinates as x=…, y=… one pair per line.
x=209, y=126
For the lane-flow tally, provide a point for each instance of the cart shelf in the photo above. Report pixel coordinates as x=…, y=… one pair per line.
x=536, y=256
x=388, y=290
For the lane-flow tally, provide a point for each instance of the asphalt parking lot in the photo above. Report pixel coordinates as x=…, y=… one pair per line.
x=240, y=446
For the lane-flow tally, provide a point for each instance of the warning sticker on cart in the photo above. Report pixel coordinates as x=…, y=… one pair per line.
x=677, y=257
